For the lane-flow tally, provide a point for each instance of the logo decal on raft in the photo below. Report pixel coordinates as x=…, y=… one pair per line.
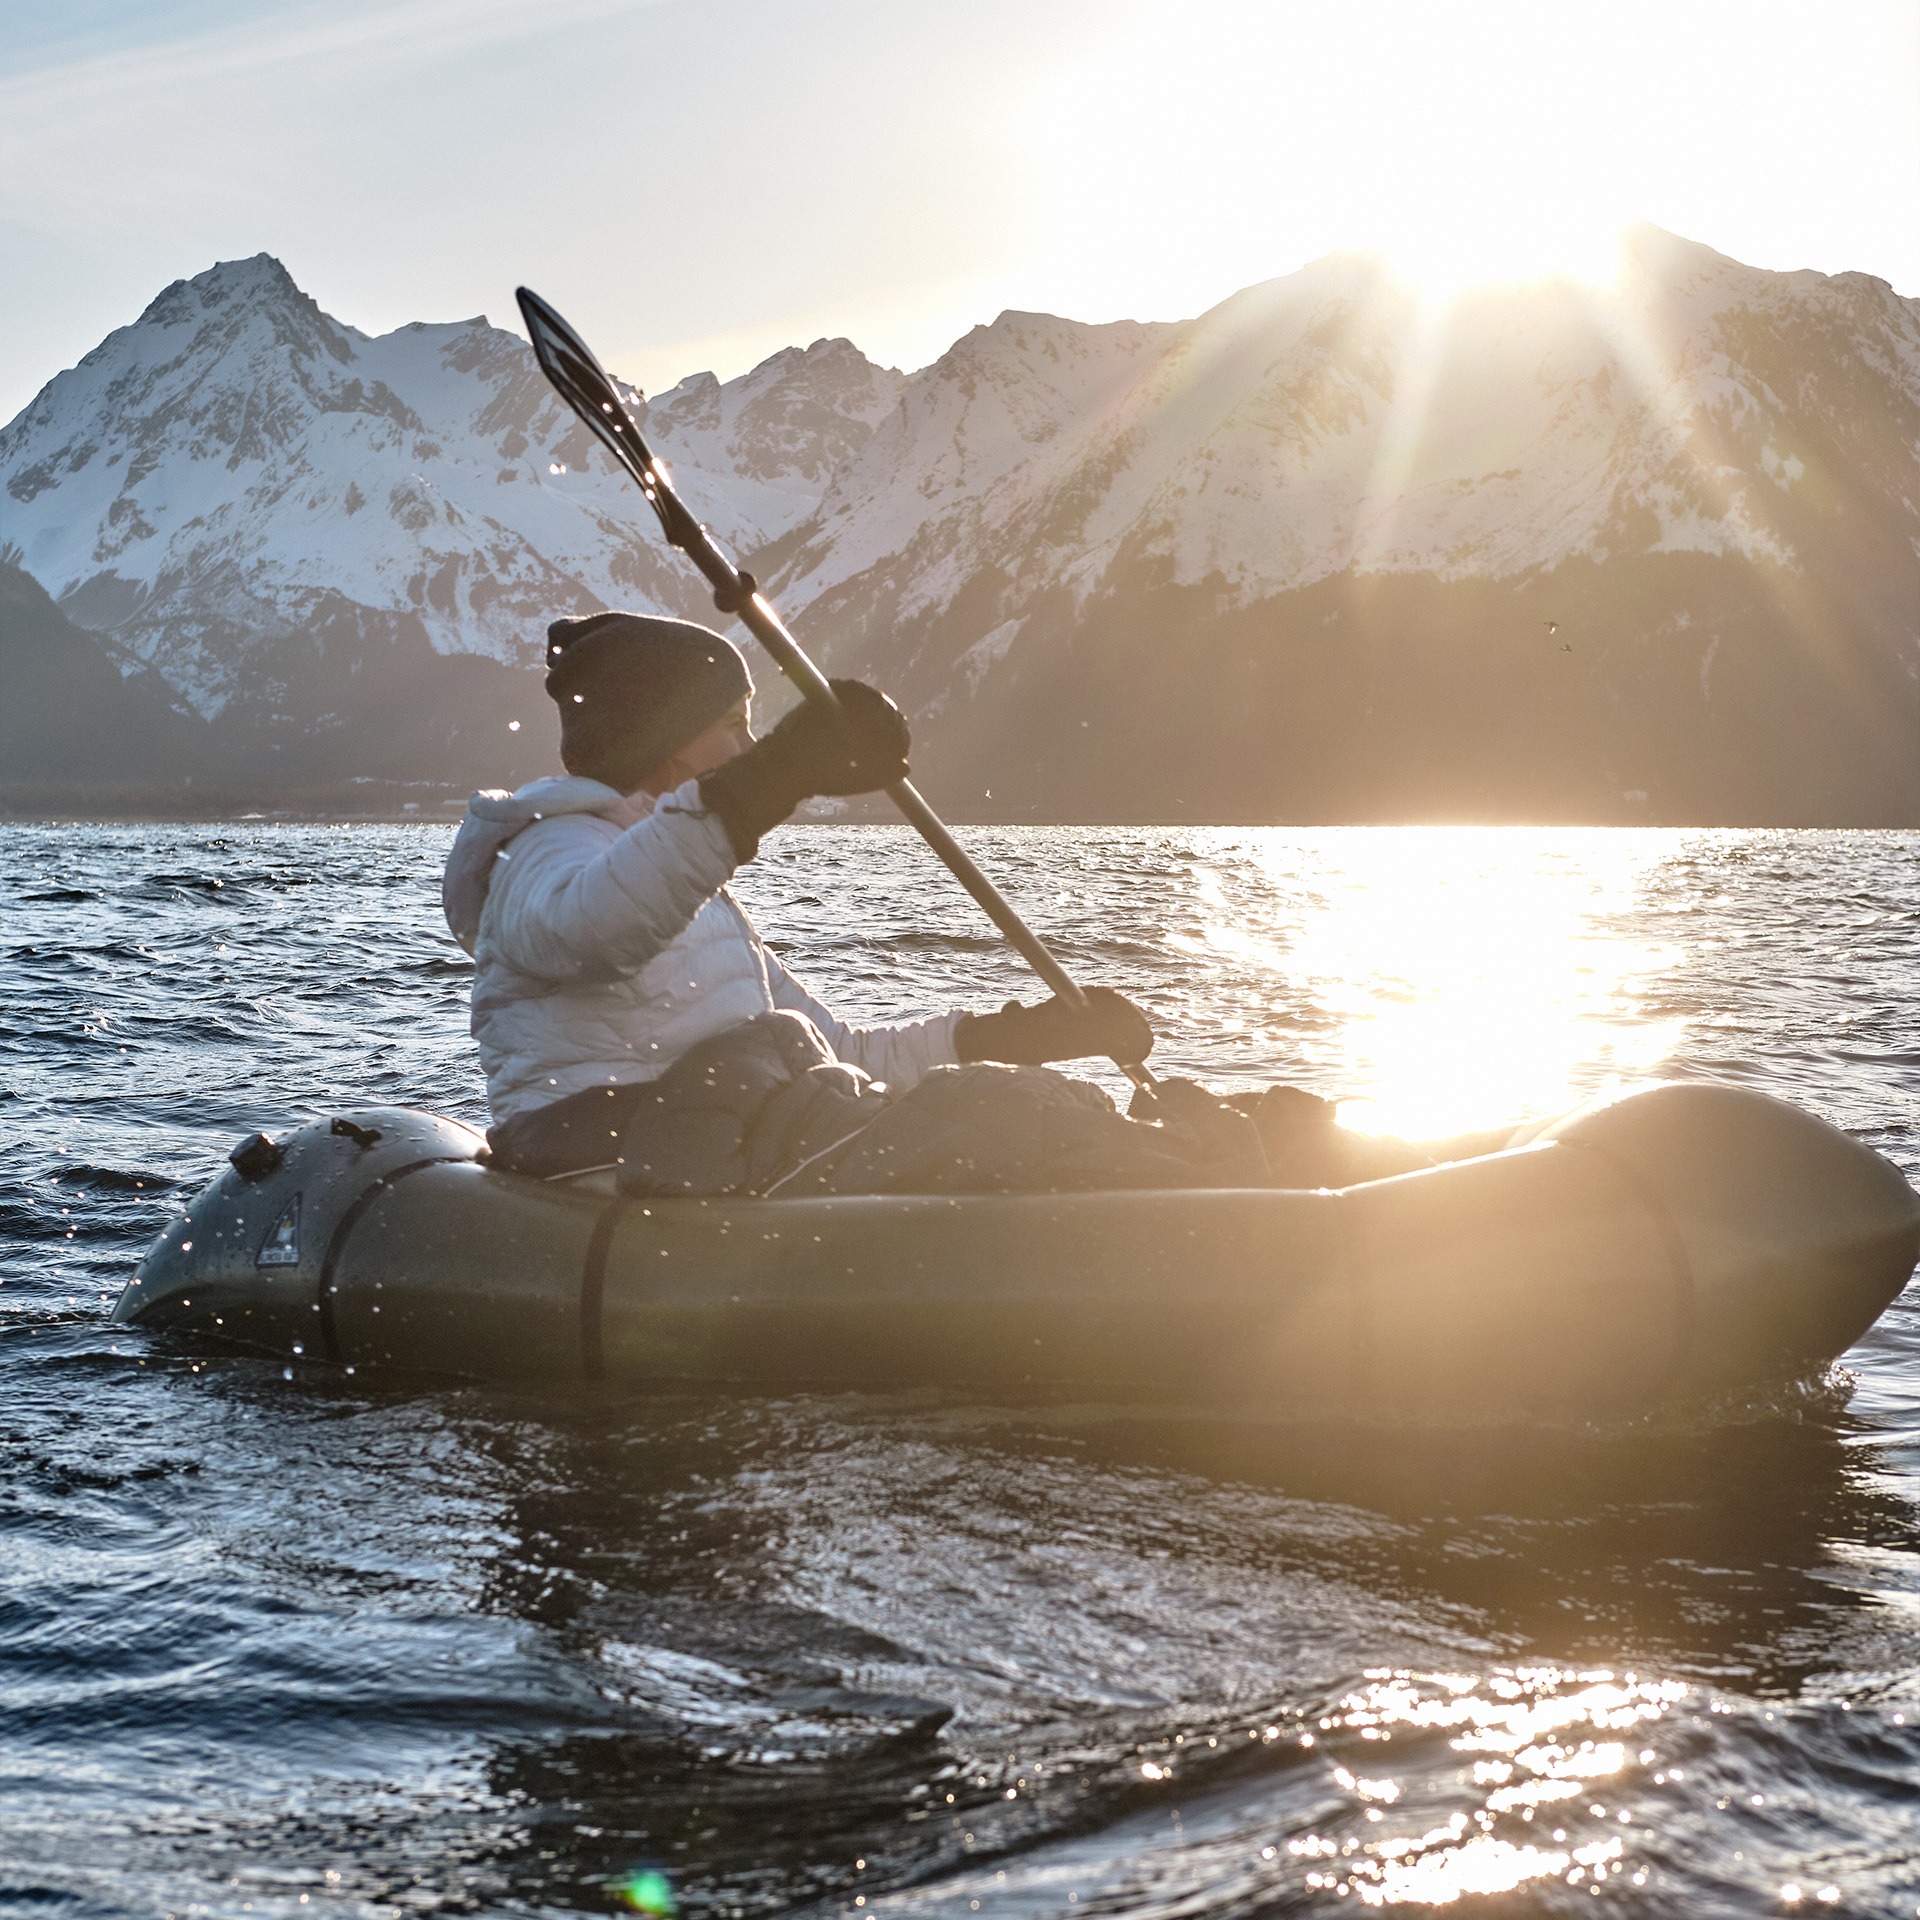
x=281, y=1248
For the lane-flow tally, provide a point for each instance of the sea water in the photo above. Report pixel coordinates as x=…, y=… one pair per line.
x=281, y=1640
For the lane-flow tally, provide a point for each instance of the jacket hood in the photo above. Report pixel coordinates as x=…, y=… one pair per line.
x=494, y=816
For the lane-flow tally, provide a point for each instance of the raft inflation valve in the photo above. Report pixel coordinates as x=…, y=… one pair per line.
x=256, y=1156
x=362, y=1137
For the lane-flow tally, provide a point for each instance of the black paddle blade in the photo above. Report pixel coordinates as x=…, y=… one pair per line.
x=582, y=383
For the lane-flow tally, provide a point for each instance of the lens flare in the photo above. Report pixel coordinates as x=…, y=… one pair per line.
x=645, y=1890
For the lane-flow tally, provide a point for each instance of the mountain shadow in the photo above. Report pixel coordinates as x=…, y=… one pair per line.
x=379, y=712
x=1669, y=689
x=70, y=714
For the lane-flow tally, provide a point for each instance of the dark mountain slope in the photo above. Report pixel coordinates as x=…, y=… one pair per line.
x=67, y=713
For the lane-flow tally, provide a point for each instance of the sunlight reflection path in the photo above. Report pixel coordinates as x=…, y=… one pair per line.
x=1530, y=1721
x=1475, y=975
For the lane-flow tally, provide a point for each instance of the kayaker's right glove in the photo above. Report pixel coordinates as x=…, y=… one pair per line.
x=1020, y=1036
x=813, y=750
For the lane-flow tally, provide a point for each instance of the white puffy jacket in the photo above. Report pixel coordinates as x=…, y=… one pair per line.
x=607, y=945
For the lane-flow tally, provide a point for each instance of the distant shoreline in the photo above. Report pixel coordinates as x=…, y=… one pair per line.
x=149, y=803
x=418, y=802
x=450, y=812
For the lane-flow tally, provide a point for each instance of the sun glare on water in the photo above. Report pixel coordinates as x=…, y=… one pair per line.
x=1521, y=1736
x=1461, y=977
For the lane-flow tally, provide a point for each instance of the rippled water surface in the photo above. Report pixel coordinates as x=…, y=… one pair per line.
x=288, y=1641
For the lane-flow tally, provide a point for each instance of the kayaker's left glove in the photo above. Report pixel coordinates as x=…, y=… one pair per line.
x=813, y=750
x=1109, y=1024
x=1216, y=1133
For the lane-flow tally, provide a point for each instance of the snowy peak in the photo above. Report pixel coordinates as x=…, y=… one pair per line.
x=237, y=469
x=990, y=408
x=790, y=422
x=256, y=283
x=191, y=340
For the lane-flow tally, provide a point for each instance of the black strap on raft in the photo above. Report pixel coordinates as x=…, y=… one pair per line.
x=593, y=1271
x=336, y=1246
x=593, y=1290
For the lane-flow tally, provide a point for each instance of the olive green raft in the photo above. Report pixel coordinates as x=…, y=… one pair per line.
x=1677, y=1242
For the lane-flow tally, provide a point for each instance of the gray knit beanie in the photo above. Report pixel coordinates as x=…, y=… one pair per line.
x=633, y=689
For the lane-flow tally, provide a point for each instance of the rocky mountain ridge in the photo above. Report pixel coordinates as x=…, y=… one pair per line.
x=237, y=482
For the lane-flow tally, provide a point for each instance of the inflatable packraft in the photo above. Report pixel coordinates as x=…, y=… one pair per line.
x=1676, y=1242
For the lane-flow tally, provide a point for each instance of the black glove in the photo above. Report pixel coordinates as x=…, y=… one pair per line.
x=812, y=750
x=1218, y=1134
x=1109, y=1024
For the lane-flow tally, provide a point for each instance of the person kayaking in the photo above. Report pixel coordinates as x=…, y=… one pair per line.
x=629, y=1015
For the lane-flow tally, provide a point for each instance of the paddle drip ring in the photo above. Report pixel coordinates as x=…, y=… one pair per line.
x=733, y=596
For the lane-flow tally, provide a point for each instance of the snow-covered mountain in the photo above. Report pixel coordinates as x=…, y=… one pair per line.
x=1321, y=423
x=1325, y=552
x=1326, y=549
x=237, y=476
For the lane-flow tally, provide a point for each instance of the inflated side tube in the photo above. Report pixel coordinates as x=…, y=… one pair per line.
x=1673, y=1243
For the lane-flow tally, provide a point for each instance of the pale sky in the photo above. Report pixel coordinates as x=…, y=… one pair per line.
x=697, y=183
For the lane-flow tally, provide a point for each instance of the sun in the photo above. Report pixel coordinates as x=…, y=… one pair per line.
x=1446, y=259
x=1209, y=145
